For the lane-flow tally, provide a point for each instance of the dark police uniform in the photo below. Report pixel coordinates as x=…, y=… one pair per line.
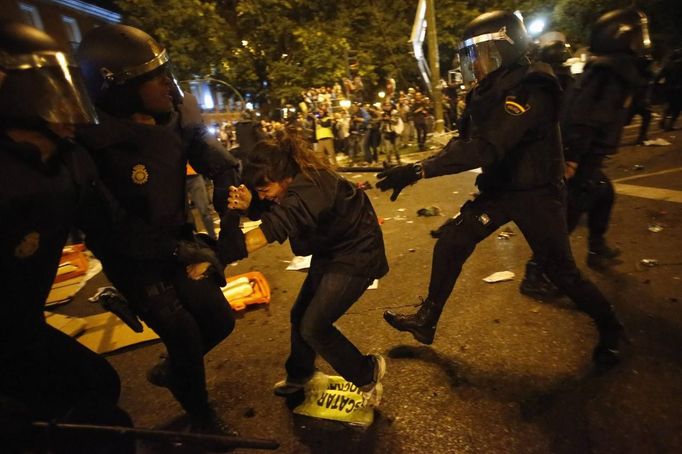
x=144, y=167
x=43, y=368
x=597, y=112
x=510, y=129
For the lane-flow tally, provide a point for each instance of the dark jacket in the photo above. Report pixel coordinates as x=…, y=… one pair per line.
x=144, y=167
x=333, y=221
x=510, y=129
x=39, y=204
x=597, y=108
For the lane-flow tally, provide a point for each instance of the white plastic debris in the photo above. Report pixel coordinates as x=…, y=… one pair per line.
x=660, y=142
x=500, y=276
x=299, y=263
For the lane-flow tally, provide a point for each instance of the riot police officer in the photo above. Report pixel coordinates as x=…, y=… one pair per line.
x=596, y=109
x=48, y=184
x=597, y=112
x=145, y=138
x=553, y=51
x=510, y=129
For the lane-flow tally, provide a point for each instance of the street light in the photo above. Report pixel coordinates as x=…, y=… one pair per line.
x=536, y=26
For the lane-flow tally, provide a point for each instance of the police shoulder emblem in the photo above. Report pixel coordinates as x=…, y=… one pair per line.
x=515, y=107
x=28, y=246
x=140, y=174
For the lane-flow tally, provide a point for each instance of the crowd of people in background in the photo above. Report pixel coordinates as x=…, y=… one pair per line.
x=365, y=133
x=368, y=133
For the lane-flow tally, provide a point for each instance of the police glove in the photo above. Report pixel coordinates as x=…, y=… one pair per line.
x=231, y=242
x=191, y=252
x=399, y=177
x=114, y=302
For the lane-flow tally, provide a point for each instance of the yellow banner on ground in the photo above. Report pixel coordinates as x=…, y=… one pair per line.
x=332, y=397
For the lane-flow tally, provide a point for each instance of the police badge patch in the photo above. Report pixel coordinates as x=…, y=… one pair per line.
x=514, y=107
x=28, y=246
x=140, y=174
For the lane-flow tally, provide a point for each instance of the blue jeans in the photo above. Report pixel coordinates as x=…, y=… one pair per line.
x=322, y=300
x=196, y=191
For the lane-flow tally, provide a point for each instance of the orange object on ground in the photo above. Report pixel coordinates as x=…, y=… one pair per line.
x=73, y=263
x=261, y=290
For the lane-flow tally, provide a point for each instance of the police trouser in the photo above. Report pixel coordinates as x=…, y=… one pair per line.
x=541, y=217
x=191, y=317
x=56, y=378
x=590, y=191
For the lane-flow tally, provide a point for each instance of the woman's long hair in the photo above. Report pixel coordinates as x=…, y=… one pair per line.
x=281, y=157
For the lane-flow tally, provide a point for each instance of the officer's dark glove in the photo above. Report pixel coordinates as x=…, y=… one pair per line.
x=399, y=177
x=191, y=252
x=114, y=302
x=231, y=242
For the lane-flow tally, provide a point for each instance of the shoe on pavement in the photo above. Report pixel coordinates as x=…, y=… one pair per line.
x=209, y=422
x=373, y=391
x=290, y=385
x=601, y=256
x=160, y=374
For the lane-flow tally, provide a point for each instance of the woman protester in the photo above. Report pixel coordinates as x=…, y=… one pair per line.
x=301, y=198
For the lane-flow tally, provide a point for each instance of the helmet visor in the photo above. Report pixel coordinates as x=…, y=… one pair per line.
x=478, y=60
x=45, y=86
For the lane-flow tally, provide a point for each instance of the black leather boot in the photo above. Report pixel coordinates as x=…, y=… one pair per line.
x=607, y=352
x=536, y=285
x=160, y=373
x=422, y=325
x=209, y=422
x=601, y=256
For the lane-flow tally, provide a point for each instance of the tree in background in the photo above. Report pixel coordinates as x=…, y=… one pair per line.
x=196, y=36
x=273, y=49
x=575, y=18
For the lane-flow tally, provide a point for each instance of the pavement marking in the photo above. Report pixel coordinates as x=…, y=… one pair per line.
x=644, y=175
x=645, y=192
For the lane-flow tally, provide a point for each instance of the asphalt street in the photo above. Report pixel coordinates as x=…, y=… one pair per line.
x=506, y=373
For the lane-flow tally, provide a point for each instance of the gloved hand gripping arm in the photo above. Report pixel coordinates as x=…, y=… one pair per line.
x=399, y=177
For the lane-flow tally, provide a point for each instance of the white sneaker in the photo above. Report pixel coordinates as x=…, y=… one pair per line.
x=373, y=391
x=372, y=398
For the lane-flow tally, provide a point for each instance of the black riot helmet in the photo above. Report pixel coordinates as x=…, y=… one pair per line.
x=491, y=41
x=553, y=53
x=116, y=60
x=38, y=82
x=553, y=48
x=621, y=30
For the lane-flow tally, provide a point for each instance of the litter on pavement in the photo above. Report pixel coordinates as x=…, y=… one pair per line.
x=655, y=228
x=500, y=276
x=660, y=142
x=649, y=262
x=299, y=263
x=432, y=210
x=505, y=234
